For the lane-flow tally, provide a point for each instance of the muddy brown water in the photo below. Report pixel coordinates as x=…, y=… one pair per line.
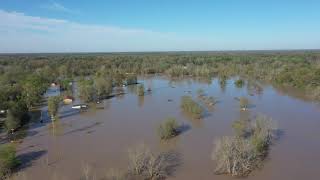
x=100, y=138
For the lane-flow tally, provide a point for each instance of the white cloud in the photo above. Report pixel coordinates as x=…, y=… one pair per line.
x=22, y=33
x=14, y=20
x=55, y=6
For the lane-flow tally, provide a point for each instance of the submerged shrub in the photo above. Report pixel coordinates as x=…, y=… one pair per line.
x=147, y=165
x=209, y=101
x=262, y=134
x=200, y=92
x=239, y=83
x=234, y=156
x=138, y=158
x=191, y=107
x=8, y=160
x=177, y=70
x=168, y=129
x=239, y=155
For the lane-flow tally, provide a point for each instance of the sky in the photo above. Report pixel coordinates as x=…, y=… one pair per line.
x=35, y=26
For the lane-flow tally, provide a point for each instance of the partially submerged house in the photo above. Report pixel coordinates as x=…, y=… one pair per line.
x=68, y=99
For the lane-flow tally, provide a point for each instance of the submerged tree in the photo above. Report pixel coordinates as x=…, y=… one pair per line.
x=53, y=106
x=17, y=115
x=87, y=90
x=103, y=86
x=239, y=83
x=33, y=88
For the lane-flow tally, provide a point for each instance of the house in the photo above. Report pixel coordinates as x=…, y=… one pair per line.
x=67, y=99
x=54, y=84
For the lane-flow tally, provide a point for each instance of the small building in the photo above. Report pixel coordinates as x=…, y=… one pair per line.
x=54, y=84
x=67, y=99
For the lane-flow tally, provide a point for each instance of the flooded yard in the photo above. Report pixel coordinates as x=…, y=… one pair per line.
x=99, y=138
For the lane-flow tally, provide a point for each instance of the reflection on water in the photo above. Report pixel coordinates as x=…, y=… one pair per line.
x=223, y=84
x=172, y=144
x=119, y=93
x=132, y=89
x=140, y=101
x=244, y=115
x=107, y=104
x=56, y=127
x=102, y=136
x=197, y=123
x=254, y=88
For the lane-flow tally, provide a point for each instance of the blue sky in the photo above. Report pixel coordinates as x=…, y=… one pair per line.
x=153, y=25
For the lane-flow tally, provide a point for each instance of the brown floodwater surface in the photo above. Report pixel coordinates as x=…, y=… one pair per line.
x=100, y=137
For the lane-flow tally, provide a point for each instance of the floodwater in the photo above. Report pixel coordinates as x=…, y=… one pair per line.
x=100, y=138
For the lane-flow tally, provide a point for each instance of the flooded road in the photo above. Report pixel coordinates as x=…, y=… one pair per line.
x=100, y=138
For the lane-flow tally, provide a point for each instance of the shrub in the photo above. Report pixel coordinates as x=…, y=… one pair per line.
x=239, y=83
x=148, y=165
x=239, y=155
x=138, y=158
x=262, y=134
x=233, y=156
x=209, y=101
x=168, y=129
x=177, y=70
x=191, y=107
x=8, y=159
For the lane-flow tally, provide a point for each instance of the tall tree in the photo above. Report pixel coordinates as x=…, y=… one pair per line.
x=53, y=106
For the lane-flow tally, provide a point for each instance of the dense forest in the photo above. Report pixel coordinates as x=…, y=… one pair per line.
x=25, y=78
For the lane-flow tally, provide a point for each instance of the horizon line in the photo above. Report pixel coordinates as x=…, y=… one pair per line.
x=170, y=51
